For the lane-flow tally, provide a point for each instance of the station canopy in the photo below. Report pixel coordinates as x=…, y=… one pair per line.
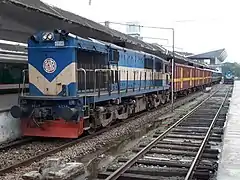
x=219, y=54
x=19, y=19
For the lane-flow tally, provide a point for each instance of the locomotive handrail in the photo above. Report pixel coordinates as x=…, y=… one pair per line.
x=95, y=83
x=24, y=79
x=85, y=86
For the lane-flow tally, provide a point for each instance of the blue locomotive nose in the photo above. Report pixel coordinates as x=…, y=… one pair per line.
x=16, y=111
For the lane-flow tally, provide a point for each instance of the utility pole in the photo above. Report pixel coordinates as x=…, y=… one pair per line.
x=90, y=2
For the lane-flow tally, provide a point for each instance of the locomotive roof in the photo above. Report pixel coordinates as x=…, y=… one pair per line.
x=113, y=46
x=121, y=48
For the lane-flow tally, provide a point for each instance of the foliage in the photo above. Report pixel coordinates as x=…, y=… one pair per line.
x=234, y=67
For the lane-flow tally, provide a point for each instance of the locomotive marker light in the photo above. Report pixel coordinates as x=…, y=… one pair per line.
x=48, y=36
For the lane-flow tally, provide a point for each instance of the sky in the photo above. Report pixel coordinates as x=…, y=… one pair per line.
x=200, y=25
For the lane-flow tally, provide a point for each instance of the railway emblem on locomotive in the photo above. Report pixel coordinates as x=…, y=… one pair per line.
x=49, y=65
x=229, y=75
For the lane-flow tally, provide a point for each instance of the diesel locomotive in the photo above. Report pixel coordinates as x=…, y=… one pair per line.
x=78, y=84
x=228, y=77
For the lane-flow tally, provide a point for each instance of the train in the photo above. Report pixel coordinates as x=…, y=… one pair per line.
x=228, y=77
x=79, y=85
x=12, y=64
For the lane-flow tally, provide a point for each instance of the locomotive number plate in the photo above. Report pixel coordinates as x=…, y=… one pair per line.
x=59, y=43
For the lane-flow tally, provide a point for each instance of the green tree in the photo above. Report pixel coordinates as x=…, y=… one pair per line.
x=234, y=67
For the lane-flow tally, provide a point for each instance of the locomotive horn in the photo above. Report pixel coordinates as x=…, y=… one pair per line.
x=67, y=113
x=16, y=111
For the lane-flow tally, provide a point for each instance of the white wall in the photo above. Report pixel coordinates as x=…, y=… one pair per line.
x=9, y=127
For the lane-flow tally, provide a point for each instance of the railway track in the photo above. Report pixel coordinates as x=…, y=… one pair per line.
x=188, y=149
x=46, y=149
x=15, y=143
x=22, y=150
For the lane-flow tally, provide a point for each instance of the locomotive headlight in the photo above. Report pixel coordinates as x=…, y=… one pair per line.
x=48, y=36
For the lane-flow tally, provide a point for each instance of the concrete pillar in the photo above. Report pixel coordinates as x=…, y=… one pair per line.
x=212, y=61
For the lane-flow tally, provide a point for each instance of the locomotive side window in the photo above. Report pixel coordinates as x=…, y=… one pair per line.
x=148, y=63
x=116, y=76
x=114, y=56
x=159, y=66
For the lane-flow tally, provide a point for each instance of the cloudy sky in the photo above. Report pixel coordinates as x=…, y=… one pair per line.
x=200, y=25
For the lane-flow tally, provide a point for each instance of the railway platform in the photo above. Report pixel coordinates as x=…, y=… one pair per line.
x=229, y=165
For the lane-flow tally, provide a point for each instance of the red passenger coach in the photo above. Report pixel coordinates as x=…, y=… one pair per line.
x=207, y=76
x=184, y=77
x=189, y=78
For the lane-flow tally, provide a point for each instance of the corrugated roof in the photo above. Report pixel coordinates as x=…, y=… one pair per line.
x=68, y=17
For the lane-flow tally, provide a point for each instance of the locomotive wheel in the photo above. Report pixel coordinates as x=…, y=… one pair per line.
x=93, y=127
x=91, y=130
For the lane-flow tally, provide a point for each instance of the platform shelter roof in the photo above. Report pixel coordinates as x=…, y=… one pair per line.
x=220, y=54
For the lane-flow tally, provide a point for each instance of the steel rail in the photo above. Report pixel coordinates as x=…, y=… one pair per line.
x=134, y=159
x=15, y=143
x=199, y=153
